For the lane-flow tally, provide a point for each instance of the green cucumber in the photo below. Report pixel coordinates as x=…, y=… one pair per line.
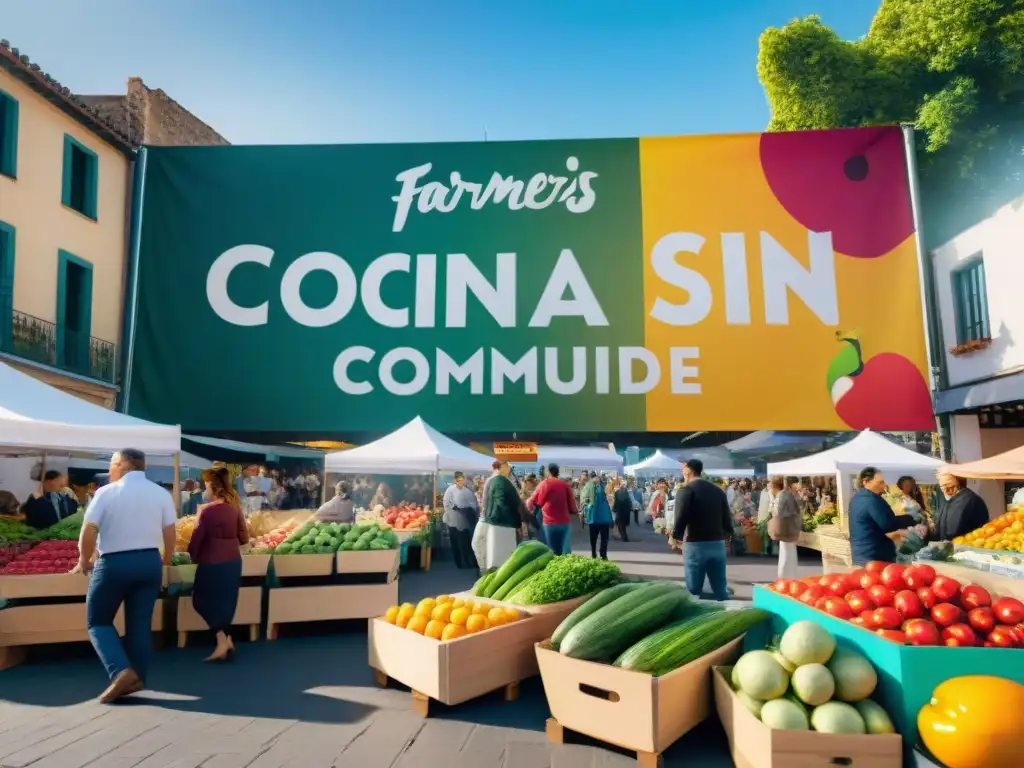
x=599, y=600
x=523, y=554
x=534, y=566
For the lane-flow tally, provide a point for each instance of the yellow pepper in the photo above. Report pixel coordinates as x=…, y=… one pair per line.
x=974, y=722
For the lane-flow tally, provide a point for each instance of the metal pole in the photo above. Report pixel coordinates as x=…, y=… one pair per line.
x=932, y=333
x=176, y=487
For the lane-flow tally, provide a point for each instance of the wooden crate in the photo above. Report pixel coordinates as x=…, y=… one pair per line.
x=44, y=585
x=752, y=744
x=332, y=602
x=249, y=612
x=631, y=710
x=289, y=566
x=255, y=565
x=455, y=671
x=368, y=561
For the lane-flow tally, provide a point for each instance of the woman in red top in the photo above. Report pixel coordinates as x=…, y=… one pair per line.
x=214, y=548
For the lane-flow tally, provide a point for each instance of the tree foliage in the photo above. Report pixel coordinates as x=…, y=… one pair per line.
x=953, y=68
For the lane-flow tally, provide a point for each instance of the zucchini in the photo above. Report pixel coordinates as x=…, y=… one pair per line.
x=523, y=554
x=534, y=566
x=685, y=641
x=599, y=600
x=610, y=630
x=481, y=583
x=516, y=594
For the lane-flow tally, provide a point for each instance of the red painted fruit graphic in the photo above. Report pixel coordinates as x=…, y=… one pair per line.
x=851, y=182
x=887, y=392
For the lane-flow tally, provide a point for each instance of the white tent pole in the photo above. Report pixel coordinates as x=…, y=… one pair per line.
x=841, y=500
x=42, y=473
x=176, y=489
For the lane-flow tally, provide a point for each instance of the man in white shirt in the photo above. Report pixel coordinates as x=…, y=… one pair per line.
x=313, y=488
x=124, y=524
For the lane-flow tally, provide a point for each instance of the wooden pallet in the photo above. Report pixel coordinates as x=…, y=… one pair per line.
x=556, y=735
x=421, y=701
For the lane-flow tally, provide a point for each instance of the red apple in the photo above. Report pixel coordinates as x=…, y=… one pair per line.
x=889, y=392
x=921, y=632
x=892, y=634
x=876, y=566
x=919, y=575
x=836, y=606
x=880, y=595
x=973, y=596
x=887, y=617
x=981, y=619
x=1009, y=610
x=835, y=181
x=892, y=577
x=946, y=614
x=961, y=635
x=908, y=604
x=860, y=601
x=1002, y=637
x=945, y=589
x=927, y=597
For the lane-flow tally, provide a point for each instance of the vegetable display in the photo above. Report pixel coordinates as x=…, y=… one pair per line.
x=9, y=552
x=1004, y=533
x=974, y=721
x=67, y=529
x=47, y=557
x=14, y=531
x=402, y=517
x=268, y=542
x=448, y=618
x=325, y=538
x=913, y=605
x=810, y=684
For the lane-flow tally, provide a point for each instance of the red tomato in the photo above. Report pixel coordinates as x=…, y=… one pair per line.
x=973, y=596
x=859, y=601
x=961, y=635
x=820, y=603
x=860, y=622
x=921, y=632
x=892, y=577
x=927, y=598
x=875, y=566
x=855, y=574
x=887, y=617
x=919, y=575
x=1018, y=633
x=880, y=595
x=824, y=581
x=811, y=595
x=946, y=614
x=945, y=588
x=836, y=606
x=982, y=619
x=908, y=604
x=892, y=634
x=1009, y=610
x=795, y=588
x=838, y=587
x=867, y=619
x=1002, y=637
x=868, y=580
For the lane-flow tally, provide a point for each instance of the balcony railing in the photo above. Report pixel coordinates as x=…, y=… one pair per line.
x=46, y=343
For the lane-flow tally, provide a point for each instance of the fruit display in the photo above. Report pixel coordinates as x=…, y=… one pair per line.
x=265, y=522
x=183, y=532
x=974, y=720
x=1004, y=533
x=652, y=627
x=268, y=542
x=405, y=516
x=45, y=558
x=533, y=575
x=325, y=538
x=913, y=605
x=448, y=618
x=807, y=683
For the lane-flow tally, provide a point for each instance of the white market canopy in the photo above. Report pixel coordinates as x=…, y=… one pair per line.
x=35, y=415
x=580, y=457
x=656, y=462
x=868, y=449
x=416, y=448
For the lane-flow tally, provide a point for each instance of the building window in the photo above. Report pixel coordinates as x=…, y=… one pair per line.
x=74, y=312
x=970, y=301
x=6, y=284
x=81, y=177
x=8, y=135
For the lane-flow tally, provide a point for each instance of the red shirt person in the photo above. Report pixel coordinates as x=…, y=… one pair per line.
x=557, y=502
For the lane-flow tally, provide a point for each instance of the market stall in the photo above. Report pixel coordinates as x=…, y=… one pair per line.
x=40, y=602
x=578, y=457
x=868, y=449
x=656, y=464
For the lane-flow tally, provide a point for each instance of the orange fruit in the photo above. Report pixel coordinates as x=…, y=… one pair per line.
x=434, y=629
x=476, y=623
x=405, y=612
x=481, y=609
x=459, y=615
x=496, y=616
x=443, y=599
x=511, y=614
x=441, y=612
x=425, y=606
x=418, y=623
x=458, y=602
x=392, y=615
x=453, y=631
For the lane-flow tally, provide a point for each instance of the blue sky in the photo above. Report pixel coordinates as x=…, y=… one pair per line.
x=328, y=71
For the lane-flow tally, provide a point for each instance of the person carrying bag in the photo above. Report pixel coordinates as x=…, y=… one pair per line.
x=785, y=524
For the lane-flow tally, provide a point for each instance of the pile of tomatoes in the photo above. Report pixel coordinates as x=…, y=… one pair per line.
x=912, y=605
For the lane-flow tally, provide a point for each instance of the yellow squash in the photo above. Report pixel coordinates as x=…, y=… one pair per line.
x=974, y=722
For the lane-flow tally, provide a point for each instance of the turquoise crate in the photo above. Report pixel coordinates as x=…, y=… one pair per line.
x=907, y=674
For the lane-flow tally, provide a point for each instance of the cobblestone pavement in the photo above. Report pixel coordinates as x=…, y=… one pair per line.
x=309, y=701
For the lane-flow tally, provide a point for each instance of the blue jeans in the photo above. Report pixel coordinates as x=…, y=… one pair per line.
x=558, y=538
x=705, y=558
x=132, y=578
x=538, y=516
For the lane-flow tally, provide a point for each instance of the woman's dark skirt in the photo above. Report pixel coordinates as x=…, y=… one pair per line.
x=215, y=593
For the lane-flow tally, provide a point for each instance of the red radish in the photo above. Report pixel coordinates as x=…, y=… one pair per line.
x=892, y=577
x=880, y=595
x=945, y=588
x=908, y=604
x=921, y=632
x=973, y=596
x=946, y=614
x=1009, y=610
x=960, y=635
x=919, y=575
x=982, y=619
x=887, y=617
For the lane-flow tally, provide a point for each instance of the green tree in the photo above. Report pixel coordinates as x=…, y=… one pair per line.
x=953, y=68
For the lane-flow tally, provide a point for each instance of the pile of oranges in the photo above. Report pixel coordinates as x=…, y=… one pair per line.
x=1004, y=533
x=447, y=618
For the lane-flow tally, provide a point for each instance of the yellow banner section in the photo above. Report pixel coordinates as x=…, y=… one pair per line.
x=525, y=452
x=758, y=317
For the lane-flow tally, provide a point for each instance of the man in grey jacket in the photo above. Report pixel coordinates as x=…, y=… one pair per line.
x=461, y=512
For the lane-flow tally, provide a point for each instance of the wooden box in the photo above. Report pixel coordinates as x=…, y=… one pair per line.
x=333, y=602
x=368, y=561
x=255, y=565
x=753, y=744
x=58, y=623
x=632, y=710
x=286, y=566
x=455, y=671
x=249, y=611
x=44, y=585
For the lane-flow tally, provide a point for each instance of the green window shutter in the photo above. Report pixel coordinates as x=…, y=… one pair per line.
x=92, y=184
x=6, y=284
x=9, y=134
x=69, y=162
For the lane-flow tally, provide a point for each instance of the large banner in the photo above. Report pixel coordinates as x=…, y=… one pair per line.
x=667, y=284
